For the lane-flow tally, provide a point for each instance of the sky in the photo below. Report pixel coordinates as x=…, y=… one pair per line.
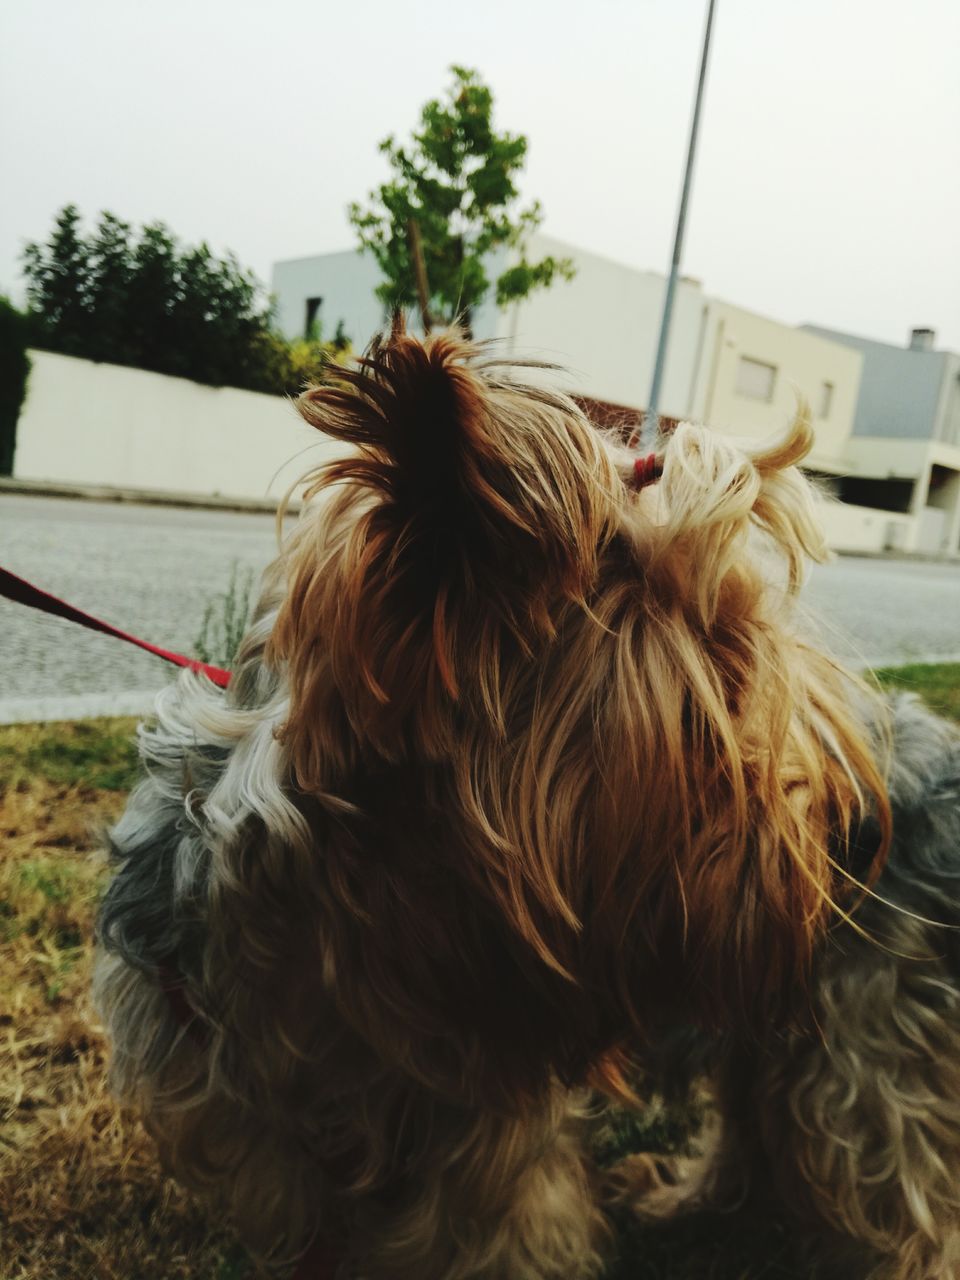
x=827, y=184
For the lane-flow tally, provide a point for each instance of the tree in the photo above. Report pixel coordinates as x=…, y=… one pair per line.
x=143, y=299
x=452, y=201
x=14, y=371
x=58, y=282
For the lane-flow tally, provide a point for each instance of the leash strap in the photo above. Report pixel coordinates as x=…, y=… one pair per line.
x=23, y=592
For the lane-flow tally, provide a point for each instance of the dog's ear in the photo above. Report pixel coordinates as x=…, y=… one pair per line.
x=470, y=513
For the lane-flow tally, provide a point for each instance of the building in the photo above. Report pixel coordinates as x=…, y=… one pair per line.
x=726, y=366
x=904, y=452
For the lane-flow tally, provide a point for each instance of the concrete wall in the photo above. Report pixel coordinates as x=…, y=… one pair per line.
x=803, y=363
x=603, y=325
x=864, y=529
x=100, y=424
x=103, y=425
x=934, y=471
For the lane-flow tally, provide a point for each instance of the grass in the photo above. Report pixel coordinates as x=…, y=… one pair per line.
x=226, y=619
x=938, y=684
x=81, y=1194
x=88, y=755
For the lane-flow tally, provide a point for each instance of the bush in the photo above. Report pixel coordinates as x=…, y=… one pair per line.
x=14, y=371
x=141, y=298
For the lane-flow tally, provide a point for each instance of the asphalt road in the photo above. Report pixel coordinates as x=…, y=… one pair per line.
x=153, y=571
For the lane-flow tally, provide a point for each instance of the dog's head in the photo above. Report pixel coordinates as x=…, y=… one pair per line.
x=577, y=771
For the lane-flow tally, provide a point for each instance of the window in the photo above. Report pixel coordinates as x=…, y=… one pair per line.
x=826, y=399
x=755, y=379
x=311, y=327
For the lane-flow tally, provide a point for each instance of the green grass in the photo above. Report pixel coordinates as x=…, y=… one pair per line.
x=91, y=754
x=226, y=619
x=937, y=684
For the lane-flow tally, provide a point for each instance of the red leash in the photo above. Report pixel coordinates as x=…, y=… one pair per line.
x=23, y=592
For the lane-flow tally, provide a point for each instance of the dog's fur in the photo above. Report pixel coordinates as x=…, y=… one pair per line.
x=520, y=767
x=855, y=1126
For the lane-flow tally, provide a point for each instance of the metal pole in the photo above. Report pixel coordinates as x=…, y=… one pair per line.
x=651, y=422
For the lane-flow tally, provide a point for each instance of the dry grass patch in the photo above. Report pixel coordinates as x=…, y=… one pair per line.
x=81, y=1193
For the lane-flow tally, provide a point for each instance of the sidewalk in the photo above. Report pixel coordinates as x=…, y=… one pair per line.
x=82, y=706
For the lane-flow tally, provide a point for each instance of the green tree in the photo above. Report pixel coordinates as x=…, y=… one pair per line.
x=14, y=371
x=58, y=278
x=141, y=298
x=108, y=273
x=453, y=189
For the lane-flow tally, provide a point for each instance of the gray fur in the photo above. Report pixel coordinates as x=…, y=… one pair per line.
x=855, y=1122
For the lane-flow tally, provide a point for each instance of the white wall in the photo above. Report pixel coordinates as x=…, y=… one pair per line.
x=932, y=530
x=883, y=458
x=803, y=363
x=859, y=529
x=101, y=424
x=345, y=284
x=603, y=325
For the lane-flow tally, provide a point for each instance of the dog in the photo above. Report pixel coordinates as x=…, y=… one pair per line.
x=524, y=762
x=853, y=1122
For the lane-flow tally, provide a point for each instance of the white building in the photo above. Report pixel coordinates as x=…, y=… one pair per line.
x=737, y=371
x=726, y=366
x=904, y=453
x=887, y=420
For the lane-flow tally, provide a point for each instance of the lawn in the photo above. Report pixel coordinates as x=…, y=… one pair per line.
x=81, y=1194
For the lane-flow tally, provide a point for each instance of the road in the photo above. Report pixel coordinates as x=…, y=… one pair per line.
x=149, y=570
x=153, y=571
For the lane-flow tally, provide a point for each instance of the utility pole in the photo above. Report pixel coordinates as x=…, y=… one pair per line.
x=651, y=422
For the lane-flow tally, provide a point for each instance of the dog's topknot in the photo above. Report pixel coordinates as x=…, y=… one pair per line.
x=482, y=507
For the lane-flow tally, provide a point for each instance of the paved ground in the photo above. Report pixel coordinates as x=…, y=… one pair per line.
x=153, y=570
x=881, y=612
x=150, y=570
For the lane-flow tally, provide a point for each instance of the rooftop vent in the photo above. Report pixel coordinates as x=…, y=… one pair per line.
x=922, y=339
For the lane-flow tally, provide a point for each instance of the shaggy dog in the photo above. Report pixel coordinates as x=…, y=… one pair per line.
x=523, y=765
x=853, y=1122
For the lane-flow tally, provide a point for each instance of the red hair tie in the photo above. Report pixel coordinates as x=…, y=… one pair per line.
x=645, y=471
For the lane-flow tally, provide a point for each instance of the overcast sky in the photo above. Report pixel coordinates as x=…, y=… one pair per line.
x=828, y=178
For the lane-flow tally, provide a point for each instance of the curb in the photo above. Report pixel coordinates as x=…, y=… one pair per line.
x=143, y=497
x=81, y=706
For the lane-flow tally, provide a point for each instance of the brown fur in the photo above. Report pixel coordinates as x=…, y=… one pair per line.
x=518, y=763
x=856, y=1127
